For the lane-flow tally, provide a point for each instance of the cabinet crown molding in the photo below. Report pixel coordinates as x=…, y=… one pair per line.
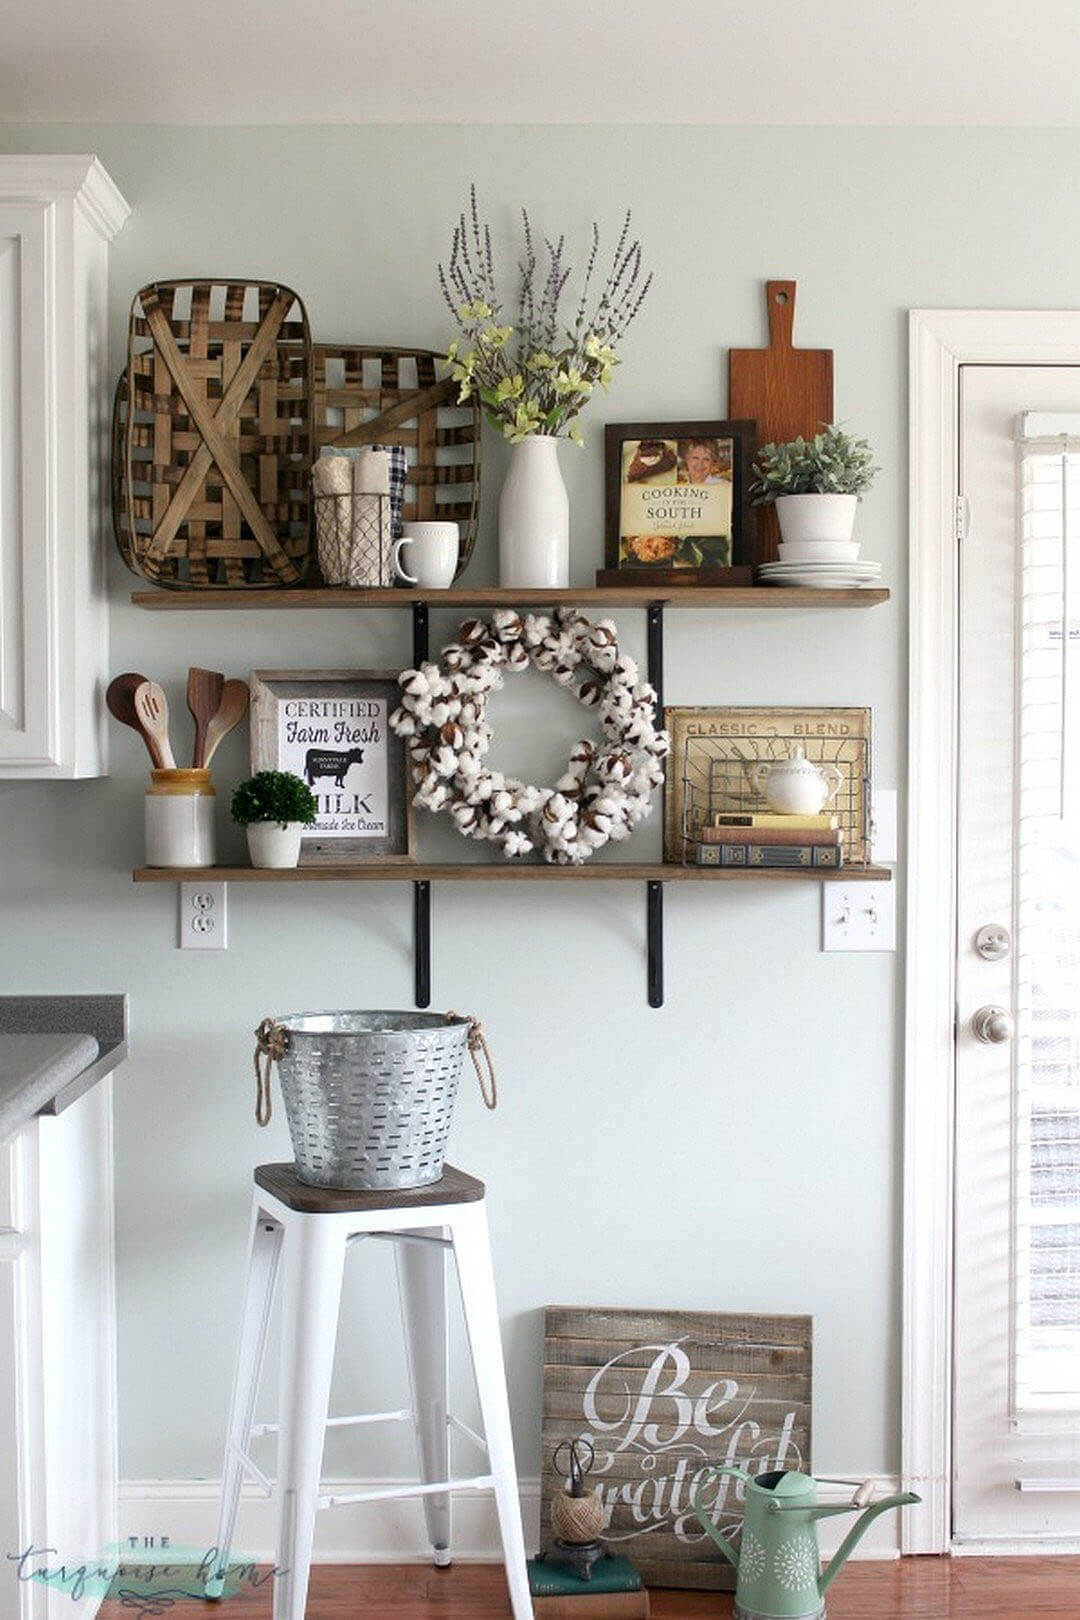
x=78, y=175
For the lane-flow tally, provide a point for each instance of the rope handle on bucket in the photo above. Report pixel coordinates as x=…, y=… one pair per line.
x=489, y=1088
x=272, y=1043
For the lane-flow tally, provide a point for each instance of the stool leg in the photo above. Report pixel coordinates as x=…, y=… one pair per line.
x=421, y=1269
x=263, y=1253
x=473, y=1254
x=311, y=1294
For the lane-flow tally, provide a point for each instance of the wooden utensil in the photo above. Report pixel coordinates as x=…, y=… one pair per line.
x=204, y=688
x=152, y=708
x=786, y=391
x=233, y=707
x=120, y=702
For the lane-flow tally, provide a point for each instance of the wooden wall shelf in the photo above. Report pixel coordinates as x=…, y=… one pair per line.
x=488, y=872
x=492, y=596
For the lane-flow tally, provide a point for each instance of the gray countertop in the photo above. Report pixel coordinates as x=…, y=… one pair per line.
x=53, y=1049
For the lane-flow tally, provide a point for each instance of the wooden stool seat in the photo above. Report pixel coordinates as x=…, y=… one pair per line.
x=453, y=1187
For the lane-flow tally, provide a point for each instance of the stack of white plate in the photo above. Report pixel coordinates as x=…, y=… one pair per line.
x=823, y=575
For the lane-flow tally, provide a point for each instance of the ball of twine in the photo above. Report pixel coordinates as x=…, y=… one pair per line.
x=577, y=1519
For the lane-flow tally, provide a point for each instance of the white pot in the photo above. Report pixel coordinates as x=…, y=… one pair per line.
x=816, y=517
x=534, y=517
x=275, y=843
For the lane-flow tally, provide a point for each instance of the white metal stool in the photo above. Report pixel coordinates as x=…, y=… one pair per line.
x=313, y=1227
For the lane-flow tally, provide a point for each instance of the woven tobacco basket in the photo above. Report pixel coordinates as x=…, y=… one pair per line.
x=213, y=436
x=375, y=395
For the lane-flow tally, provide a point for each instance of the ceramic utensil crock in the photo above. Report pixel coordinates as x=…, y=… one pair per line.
x=180, y=818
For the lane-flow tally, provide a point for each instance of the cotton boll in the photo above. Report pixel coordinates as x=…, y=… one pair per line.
x=464, y=817
x=403, y=723
x=515, y=844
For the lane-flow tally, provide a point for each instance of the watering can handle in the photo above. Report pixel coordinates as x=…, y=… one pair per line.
x=703, y=1518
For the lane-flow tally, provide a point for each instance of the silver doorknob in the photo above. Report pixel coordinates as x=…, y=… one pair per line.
x=992, y=1025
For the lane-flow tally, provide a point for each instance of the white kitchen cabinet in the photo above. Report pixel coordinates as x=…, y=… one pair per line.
x=57, y=217
x=58, y=1466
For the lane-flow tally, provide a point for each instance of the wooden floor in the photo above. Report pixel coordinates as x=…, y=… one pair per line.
x=911, y=1589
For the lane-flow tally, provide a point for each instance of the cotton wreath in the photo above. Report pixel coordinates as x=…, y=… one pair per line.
x=607, y=786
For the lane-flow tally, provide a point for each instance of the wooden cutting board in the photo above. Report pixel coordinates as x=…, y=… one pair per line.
x=786, y=391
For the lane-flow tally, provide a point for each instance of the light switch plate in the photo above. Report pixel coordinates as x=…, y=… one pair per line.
x=204, y=917
x=858, y=917
x=883, y=826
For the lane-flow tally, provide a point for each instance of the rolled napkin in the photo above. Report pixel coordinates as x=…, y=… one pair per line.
x=371, y=472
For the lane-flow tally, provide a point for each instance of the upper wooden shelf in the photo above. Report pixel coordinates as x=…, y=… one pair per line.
x=493, y=596
x=489, y=872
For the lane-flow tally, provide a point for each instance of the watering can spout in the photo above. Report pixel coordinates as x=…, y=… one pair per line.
x=857, y=1531
x=706, y=1523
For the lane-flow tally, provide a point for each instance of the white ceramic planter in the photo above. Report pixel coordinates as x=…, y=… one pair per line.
x=816, y=517
x=534, y=517
x=275, y=843
x=180, y=818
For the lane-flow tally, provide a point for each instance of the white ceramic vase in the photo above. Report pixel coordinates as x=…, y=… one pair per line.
x=816, y=517
x=534, y=517
x=275, y=843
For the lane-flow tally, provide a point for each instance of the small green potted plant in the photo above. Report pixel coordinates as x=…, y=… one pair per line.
x=275, y=807
x=816, y=485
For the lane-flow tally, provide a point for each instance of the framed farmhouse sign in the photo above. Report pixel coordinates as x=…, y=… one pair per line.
x=662, y=1396
x=331, y=728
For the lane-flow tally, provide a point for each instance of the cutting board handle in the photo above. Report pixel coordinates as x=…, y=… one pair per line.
x=780, y=302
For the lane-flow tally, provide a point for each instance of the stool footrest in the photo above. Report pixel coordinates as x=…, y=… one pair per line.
x=404, y=1416
x=479, y=1482
x=252, y=1468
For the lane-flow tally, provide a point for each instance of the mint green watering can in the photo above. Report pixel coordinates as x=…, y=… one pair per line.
x=779, y=1564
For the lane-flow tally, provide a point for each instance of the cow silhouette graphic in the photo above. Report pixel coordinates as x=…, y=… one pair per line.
x=326, y=762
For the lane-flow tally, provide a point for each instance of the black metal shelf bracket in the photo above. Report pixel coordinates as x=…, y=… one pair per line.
x=421, y=642
x=654, y=892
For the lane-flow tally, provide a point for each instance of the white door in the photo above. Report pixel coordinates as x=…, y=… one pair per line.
x=1016, y=1440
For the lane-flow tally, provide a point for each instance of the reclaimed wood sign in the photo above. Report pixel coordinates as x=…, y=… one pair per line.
x=661, y=1397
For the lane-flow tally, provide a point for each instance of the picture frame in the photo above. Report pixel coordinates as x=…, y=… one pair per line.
x=712, y=746
x=314, y=723
x=663, y=1397
x=677, y=503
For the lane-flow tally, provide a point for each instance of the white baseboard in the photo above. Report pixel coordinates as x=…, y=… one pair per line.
x=185, y=1511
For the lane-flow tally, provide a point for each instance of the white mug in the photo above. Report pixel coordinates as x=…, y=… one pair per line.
x=435, y=554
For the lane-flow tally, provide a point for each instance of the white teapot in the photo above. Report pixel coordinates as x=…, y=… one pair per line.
x=796, y=786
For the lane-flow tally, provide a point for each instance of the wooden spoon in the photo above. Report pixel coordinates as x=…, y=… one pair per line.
x=120, y=702
x=152, y=708
x=204, y=687
x=231, y=710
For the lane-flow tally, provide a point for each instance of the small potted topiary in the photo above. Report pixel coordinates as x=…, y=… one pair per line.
x=816, y=485
x=275, y=807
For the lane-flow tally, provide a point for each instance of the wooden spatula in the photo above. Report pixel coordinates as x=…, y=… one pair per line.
x=786, y=391
x=120, y=702
x=152, y=708
x=204, y=688
x=233, y=707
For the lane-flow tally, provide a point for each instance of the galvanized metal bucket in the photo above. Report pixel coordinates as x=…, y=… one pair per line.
x=369, y=1095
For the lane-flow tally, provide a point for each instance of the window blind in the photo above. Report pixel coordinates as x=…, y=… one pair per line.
x=1046, y=1052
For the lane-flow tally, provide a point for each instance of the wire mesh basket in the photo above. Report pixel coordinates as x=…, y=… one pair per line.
x=369, y=1095
x=354, y=539
x=714, y=752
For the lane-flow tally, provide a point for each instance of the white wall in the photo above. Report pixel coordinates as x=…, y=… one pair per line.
x=738, y=1149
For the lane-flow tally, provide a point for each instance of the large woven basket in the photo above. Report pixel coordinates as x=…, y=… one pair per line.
x=370, y=1095
x=213, y=436
x=376, y=395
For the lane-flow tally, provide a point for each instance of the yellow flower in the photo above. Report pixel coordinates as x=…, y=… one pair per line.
x=526, y=420
x=495, y=336
x=510, y=387
x=595, y=350
x=573, y=433
x=477, y=310
x=540, y=361
x=451, y=351
x=571, y=382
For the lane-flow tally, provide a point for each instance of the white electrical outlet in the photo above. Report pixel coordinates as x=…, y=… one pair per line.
x=204, y=917
x=858, y=917
x=883, y=826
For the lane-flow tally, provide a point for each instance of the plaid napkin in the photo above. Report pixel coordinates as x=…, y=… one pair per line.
x=396, y=452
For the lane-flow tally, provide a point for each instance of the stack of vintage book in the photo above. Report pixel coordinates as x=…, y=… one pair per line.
x=614, y=1591
x=767, y=838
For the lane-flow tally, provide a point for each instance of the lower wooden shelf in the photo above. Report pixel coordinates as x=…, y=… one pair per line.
x=488, y=872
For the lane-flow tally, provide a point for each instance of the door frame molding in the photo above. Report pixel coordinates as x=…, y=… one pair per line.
x=940, y=342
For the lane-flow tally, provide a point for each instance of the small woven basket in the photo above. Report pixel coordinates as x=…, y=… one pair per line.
x=369, y=1095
